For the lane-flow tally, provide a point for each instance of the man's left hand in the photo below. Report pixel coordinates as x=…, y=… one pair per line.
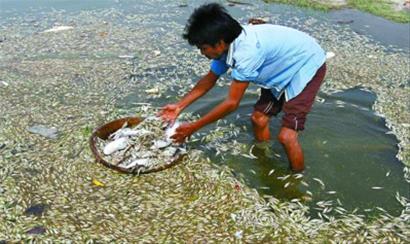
x=183, y=131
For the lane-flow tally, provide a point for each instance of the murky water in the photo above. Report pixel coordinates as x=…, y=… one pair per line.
x=346, y=145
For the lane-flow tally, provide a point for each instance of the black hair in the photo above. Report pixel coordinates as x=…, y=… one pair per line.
x=209, y=24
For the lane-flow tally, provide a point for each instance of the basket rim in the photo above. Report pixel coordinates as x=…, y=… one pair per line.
x=104, y=129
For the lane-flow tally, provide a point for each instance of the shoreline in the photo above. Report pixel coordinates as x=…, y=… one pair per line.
x=395, y=10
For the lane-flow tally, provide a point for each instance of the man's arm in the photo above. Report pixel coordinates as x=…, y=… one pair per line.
x=171, y=111
x=235, y=95
x=200, y=89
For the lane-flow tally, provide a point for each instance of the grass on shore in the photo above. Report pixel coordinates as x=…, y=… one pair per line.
x=384, y=8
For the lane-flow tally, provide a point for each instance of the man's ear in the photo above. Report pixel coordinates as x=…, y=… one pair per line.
x=222, y=44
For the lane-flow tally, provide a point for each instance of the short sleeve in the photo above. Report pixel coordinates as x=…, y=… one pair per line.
x=219, y=67
x=247, y=64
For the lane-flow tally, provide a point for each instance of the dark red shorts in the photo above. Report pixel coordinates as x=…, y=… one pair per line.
x=295, y=109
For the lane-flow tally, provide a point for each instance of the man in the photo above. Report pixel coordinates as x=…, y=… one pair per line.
x=287, y=64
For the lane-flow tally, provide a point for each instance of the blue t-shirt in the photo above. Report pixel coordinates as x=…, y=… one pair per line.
x=273, y=57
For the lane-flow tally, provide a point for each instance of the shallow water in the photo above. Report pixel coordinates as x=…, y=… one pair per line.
x=382, y=30
x=346, y=145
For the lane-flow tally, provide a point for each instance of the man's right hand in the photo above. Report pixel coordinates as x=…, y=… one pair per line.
x=170, y=112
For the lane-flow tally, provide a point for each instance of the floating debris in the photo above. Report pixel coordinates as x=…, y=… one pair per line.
x=36, y=210
x=38, y=230
x=97, y=183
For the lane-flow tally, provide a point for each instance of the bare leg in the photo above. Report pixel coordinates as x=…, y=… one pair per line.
x=289, y=139
x=260, y=122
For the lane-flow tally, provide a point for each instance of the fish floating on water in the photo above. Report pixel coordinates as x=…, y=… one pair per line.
x=58, y=28
x=330, y=55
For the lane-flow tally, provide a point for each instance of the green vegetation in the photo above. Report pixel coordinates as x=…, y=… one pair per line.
x=87, y=131
x=384, y=8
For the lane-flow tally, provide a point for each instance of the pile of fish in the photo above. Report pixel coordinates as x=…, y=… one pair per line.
x=143, y=147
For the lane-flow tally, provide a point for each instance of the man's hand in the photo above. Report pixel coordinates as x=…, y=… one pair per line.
x=170, y=112
x=183, y=131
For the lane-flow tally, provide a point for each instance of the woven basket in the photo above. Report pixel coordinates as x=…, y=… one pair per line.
x=104, y=131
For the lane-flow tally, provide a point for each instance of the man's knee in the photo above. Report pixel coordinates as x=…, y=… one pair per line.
x=287, y=136
x=259, y=119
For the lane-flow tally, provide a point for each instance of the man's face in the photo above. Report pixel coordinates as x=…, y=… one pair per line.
x=213, y=52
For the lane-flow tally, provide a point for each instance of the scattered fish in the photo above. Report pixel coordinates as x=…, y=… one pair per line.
x=330, y=55
x=154, y=90
x=48, y=132
x=238, y=234
x=126, y=56
x=320, y=182
x=58, y=29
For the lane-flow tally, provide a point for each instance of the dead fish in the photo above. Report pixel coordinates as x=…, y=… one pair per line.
x=250, y=152
x=170, y=131
x=154, y=90
x=248, y=156
x=137, y=162
x=320, y=182
x=116, y=145
x=330, y=55
x=126, y=56
x=58, y=28
x=160, y=144
x=170, y=151
x=128, y=132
